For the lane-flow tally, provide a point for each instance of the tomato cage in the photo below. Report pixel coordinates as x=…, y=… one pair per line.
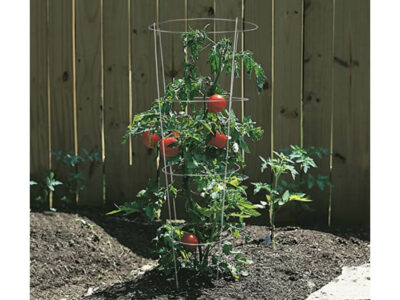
x=166, y=34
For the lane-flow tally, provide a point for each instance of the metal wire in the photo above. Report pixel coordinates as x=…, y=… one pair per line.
x=164, y=85
x=164, y=159
x=201, y=100
x=229, y=130
x=200, y=174
x=252, y=26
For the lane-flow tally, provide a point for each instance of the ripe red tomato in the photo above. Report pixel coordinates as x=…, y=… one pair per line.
x=169, y=151
x=154, y=139
x=191, y=239
x=175, y=134
x=216, y=103
x=219, y=140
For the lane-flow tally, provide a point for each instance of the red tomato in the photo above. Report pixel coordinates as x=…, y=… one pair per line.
x=175, y=134
x=216, y=103
x=154, y=139
x=169, y=151
x=191, y=239
x=219, y=140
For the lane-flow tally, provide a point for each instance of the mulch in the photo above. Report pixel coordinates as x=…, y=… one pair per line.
x=70, y=258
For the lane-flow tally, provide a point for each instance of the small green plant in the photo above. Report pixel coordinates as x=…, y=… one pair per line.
x=71, y=184
x=293, y=162
x=47, y=187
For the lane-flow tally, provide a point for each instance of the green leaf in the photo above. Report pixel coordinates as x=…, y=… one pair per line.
x=285, y=196
x=227, y=247
x=114, y=212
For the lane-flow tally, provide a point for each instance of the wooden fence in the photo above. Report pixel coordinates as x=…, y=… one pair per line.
x=92, y=68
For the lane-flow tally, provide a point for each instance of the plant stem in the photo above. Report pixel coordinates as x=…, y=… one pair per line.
x=272, y=212
x=271, y=222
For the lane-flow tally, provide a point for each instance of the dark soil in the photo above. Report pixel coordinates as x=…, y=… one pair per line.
x=71, y=253
x=304, y=261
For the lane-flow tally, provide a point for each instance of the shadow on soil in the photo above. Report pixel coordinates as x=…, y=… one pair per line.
x=153, y=285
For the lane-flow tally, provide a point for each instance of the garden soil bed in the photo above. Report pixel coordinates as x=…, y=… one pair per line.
x=69, y=257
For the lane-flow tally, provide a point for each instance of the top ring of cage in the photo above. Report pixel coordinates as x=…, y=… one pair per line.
x=217, y=25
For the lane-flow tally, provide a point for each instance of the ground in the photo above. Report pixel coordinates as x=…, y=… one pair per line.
x=107, y=256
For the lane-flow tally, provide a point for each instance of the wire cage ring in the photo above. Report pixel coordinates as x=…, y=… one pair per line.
x=182, y=25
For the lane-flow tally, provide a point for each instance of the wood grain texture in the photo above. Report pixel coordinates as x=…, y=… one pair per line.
x=318, y=87
x=259, y=106
x=119, y=174
x=39, y=137
x=230, y=9
x=89, y=95
x=351, y=139
x=288, y=73
x=61, y=88
x=288, y=60
x=172, y=43
x=173, y=64
x=144, y=85
x=201, y=9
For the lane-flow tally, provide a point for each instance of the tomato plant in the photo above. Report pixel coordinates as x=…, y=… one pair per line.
x=294, y=161
x=194, y=139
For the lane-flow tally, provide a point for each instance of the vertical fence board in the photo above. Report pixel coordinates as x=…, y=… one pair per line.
x=39, y=138
x=172, y=43
x=288, y=50
x=259, y=106
x=351, y=150
x=288, y=73
x=173, y=64
x=201, y=9
x=317, y=99
x=144, y=84
x=230, y=9
x=61, y=87
x=119, y=177
x=89, y=94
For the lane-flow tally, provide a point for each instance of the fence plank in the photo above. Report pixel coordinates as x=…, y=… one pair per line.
x=259, y=106
x=351, y=150
x=144, y=84
x=173, y=63
x=119, y=177
x=201, y=9
x=172, y=43
x=230, y=9
x=61, y=87
x=39, y=137
x=89, y=95
x=287, y=81
x=288, y=73
x=317, y=100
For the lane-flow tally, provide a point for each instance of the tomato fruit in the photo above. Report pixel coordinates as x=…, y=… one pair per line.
x=175, y=134
x=219, y=140
x=154, y=139
x=169, y=151
x=216, y=103
x=191, y=239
